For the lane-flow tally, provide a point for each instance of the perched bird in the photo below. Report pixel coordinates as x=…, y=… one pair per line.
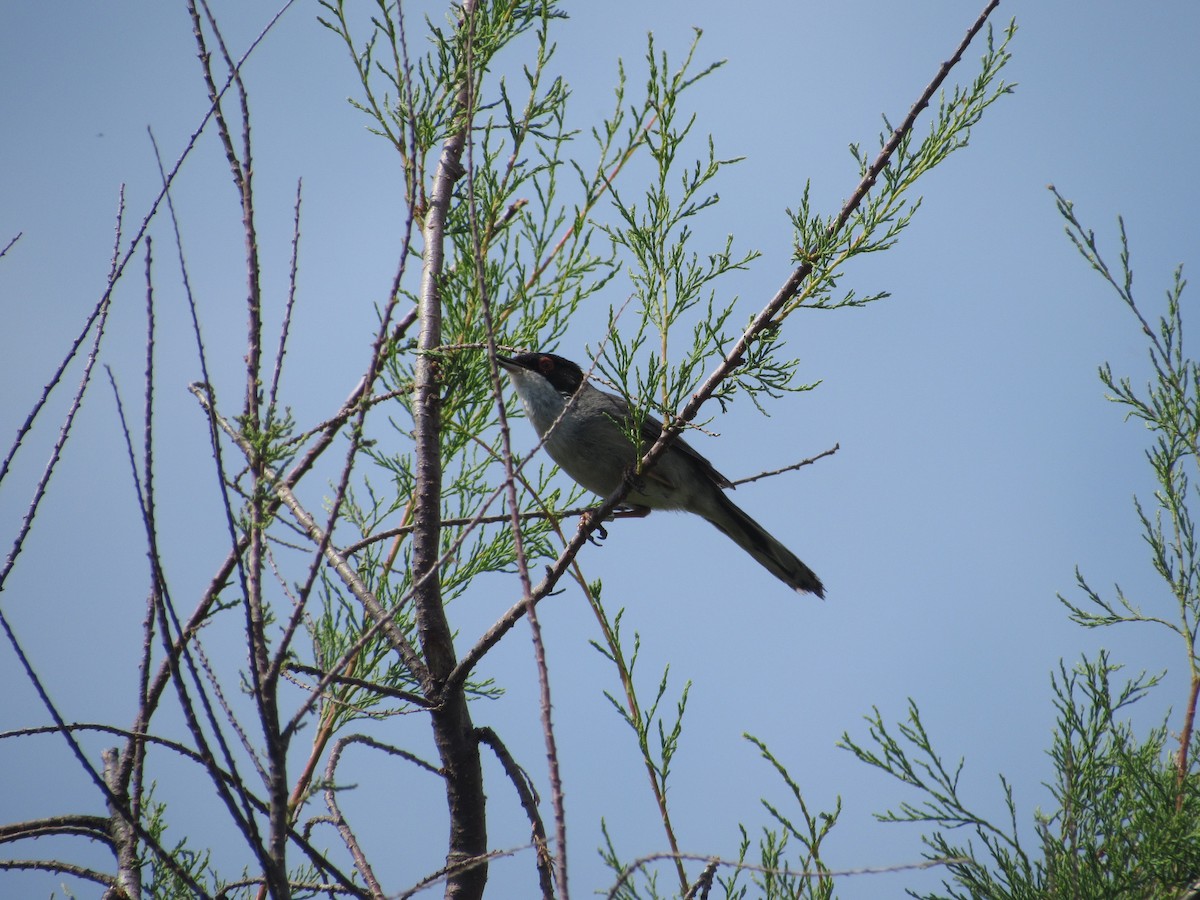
x=589, y=443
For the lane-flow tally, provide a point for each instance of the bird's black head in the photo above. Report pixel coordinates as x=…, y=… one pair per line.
x=564, y=376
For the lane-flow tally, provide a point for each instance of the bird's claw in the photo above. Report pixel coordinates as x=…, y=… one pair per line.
x=599, y=532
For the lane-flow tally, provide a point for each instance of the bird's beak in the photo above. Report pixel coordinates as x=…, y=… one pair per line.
x=508, y=364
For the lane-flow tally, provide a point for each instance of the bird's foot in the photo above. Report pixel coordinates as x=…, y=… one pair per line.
x=599, y=532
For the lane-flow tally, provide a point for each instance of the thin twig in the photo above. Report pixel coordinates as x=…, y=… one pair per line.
x=285, y=327
x=793, y=467
x=380, y=689
x=360, y=859
x=460, y=867
x=471, y=521
x=741, y=865
x=9, y=245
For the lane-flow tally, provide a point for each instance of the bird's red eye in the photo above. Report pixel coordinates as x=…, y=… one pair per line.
x=545, y=364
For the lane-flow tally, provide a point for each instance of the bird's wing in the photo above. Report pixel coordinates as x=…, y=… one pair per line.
x=618, y=410
x=652, y=428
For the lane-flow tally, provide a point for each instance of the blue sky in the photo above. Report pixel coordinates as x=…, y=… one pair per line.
x=979, y=462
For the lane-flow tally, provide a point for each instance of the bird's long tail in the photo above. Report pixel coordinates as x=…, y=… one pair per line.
x=771, y=555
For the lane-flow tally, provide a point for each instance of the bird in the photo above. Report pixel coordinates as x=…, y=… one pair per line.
x=586, y=433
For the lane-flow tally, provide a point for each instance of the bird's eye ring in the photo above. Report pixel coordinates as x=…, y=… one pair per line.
x=546, y=365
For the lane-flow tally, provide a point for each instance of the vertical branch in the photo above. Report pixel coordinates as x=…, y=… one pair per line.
x=529, y=802
x=453, y=732
x=285, y=328
x=121, y=831
x=640, y=722
x=263, y=679
x=535, y=628
x=123, y=772
x=242, y=169
x=182, y=653
x=1185, y=739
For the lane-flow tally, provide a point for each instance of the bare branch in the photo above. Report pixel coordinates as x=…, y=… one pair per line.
x=793, y=467
x=529, y=802
x=643, y=861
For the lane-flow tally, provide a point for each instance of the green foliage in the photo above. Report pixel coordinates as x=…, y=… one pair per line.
x=159, y=879
x=1125, y=826
x=657, y=738
x=1169, y=407
x=1124, y=823
x=827, y=244
x=775, y=876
